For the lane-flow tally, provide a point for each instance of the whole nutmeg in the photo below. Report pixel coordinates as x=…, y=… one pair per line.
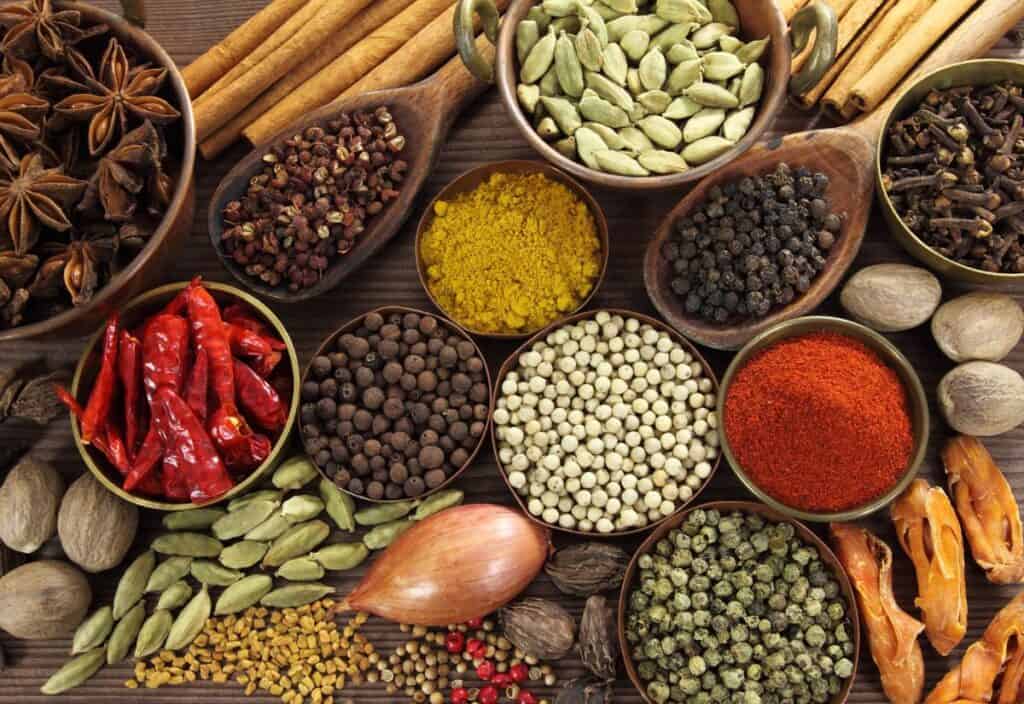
x=29, y=499
x=891, y=297
x=42, y=600
x=96, y=527
x=540, y=628
x=982, y=398
x=978, y=326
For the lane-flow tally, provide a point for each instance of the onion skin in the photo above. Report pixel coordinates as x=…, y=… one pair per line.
x=458, y=564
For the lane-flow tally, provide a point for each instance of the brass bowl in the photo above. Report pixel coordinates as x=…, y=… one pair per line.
x=980, y=72
x=805, y=533
x=470, y=180
x=889, y=354
x=510, y=364
x=328, y=345
x=149, y=265
x=131, y=314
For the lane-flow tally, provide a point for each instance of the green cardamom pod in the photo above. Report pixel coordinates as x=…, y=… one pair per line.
x=301, y=508
x=124, y=634
x=167, y=573
x=341, y=556
x=238, y=523
x=619, y=163
x=609, y=90
x=435, y=503
x=635, y=44
x=753, y=51
x=638, y=113
x=187, y=545
x=724, y=11
x=752, y=85
x=704, y=124
x=190, y=621
x=659, y=161
x=559, y=8
x=711, y=96
x=704, y=150
x=635, y=139
x=175, y=596
x=721, y=65
x=610, y=137
x=75, y=672
x=737, y=124
x=270, y=529
x=213, y=574
x=240, y=502
x=132, y=584
x=653, y=69
x=243, y=555
x=662, y=131
x=681, y=108
x=623, y=6
x=547, y=128
x=527, y=35
x=153, y=633
x=684, y=75
x=340, y=506
x=566, y=147
x=681, y=51
x=607, y=13
x=567, y=117
x=296, y=595
x=649, y=24
x=294, y=473
x=537, y=14
x=708, y=35
x=301, y=569
x=588, y=142
x=589, y=50
x=569, y=25
x=735, y=85
x=192, y=519
x=600, y=110
x=614, y=64
x=592, y=19
x=674, y=34
x=382, y=513
x=383, y=535
x=654, y=101
x=549, y=84
x=243, y=594
x=568, y=67
x=296, y=541
x=682, y=11
x=730, y=43
x=93, y=631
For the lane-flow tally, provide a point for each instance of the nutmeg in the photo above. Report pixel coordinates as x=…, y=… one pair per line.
x=891, y=297
x=96, y=527
x=29, y=499
x=982, y=398
x=42, y=600
x=978, y=326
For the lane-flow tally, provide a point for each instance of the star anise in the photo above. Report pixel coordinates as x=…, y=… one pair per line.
x=34, y=27
x=17, y=76
x=122, y=173
x=36, y=197
x=17, y=270
x=75, y=267
x=20, y=116
x=117, y=92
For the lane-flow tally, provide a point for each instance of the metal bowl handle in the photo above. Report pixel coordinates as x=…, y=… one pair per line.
x=134, y=11
x=465, y=35
x=820, y=18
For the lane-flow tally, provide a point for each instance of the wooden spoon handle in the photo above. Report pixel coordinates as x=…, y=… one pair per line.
x=453, y=87
x=974, y=36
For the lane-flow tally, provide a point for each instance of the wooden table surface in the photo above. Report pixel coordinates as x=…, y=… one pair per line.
x=483, y=134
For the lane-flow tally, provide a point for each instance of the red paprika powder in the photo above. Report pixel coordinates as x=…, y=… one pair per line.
x=819, y=422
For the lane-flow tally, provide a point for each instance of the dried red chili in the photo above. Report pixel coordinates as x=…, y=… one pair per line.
x=102, y=396
x=201, y=467
x=249, y=344
x=259, y=399
x=146, y=460
x=196, y=388
x=819, y=422
x=164, y=353
x=129, y=369
x=243, y=316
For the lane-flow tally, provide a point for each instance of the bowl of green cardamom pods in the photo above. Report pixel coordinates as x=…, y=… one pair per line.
x=644, y=94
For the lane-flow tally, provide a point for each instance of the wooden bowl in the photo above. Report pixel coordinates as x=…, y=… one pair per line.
x=730, y=336
x=510, y=364
x=133, y=313
x=471, y=180
x=150, y=264
x=827, y=556
x=889, y=354
x=328, y=346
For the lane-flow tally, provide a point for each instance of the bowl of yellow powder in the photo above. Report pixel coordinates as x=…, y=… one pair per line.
x=509, y=248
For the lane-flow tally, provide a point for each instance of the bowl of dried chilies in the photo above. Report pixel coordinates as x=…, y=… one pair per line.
x=96, y=155
x=186, y=397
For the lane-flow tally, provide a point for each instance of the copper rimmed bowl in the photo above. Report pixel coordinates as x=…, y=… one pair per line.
x=132, y=314
x=469, y=181
x=328, y=345
x=723, y=507
x=150, y=264
x=511, y=363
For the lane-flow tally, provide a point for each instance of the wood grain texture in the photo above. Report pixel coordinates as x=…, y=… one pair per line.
x=483, y=134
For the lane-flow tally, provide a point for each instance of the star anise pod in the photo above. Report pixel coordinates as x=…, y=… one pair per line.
x=20, y=116
x=34, y=197
x=13, y=312
x=122, y=173
x=34, y=27
x=17, y=76
x=75, y=267
x=17, y=270
x=116, y=93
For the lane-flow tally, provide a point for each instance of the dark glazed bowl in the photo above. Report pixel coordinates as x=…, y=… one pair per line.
x=131, y=314
x=509, y=365
x=473, y=178
x=150, y=264
x=888, y=353
x=328, y=345
x=827, y=556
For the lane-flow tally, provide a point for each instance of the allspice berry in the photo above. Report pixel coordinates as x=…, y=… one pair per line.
x=978, y=326
x=891, y=297
x=982, y=398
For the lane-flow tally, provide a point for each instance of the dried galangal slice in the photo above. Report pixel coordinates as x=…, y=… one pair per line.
x=929, y=533
x=892, y=632
x=987, y=509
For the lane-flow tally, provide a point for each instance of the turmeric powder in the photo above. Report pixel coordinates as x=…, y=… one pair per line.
x=511, y=256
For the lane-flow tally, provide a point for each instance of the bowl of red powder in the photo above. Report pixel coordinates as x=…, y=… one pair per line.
x=823, y=419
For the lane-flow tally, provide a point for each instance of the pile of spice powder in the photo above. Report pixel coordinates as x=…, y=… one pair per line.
x=512, y=255
x=819, y=422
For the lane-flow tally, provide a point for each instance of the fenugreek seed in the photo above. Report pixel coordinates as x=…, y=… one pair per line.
x=653, y=69
x=675, y=34
x=93, y=631
x=167, y=573
x=243, y=594
x=75, y=672
x=301, y=508
x=340, y=556
x=187, y=545
x=708, y=35
x=568, y=67
x=660, y=161
x=662, y=131
x=730, y=44
x=649, y=24
x=737, y=124
x=435, y=503
x=614, y=64
x=565, y=115
x=296, y=541
x=711, y=95
x=689, y=11
x=340, y=506
x=214, y=574
x=721, y=66
x=548, y=129
x=153, y=633
x=654, y=101
x=295, y=595
x=132, y=584
x=600, y=110
x=635, y=139
x=382, y=513
x=681, y=51
x=527, y=35
x=753, y=51
x=270, y=529
x=190, y=621
x=175, y=596
x=566, y=147
x=609, y=90
x=238, y=523
x=540, y=58
x=752, y=85
x=528, y=96
x=383, y=535
x=295, y=473
x=301, y=569
x=704, y=124
x=243, y=555
x=725, y=12
x=681, y=108
x=684, y=75
x=124, y=634
x=610, y=137
x=704, y=150
x=589, y=49
x=192, y=519
x=619, y=163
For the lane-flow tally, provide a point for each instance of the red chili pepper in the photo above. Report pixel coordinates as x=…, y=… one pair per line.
x=100, y=400
x=178, y=304
x=248, y=344
x=258, y=399
x=242, y=450
x=173, y=483
x=197, y=386
x=244, y=317
x=129, y=368
x=118, y=453
x=164, y=354
x=147, y=459
x=201, y=466
x=65, y=397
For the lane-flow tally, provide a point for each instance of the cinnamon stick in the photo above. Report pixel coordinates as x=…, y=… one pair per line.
x=873, y=87
x=351, y=66
x=225, y=104
x=204, y=71
x=851, y=24
x=365, y=22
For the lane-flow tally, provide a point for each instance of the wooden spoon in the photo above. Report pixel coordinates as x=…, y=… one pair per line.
x=847, y=155
x=424, y=113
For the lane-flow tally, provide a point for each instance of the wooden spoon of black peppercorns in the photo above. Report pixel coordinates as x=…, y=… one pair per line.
x=847, y=156
x=410, y=124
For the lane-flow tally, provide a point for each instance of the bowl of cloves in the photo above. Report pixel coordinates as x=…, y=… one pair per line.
x=950, y=169
x=96, y=161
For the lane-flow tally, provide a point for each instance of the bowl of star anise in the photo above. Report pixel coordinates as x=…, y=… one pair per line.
x=97, y=147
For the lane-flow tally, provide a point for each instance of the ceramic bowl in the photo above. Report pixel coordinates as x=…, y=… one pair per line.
x=132, y=314
x=889, y=354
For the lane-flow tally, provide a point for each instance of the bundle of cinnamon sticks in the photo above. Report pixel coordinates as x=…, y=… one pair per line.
x=880, y=41
x=295, y=56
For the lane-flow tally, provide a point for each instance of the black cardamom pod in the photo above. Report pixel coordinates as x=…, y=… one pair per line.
x=585, y=690
x=585, y=569
x=540, y=628
x=598, y=641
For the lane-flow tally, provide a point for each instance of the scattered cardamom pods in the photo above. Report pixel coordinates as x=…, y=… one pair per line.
x=244, y=593
x=132, y=584
x=175, y=596
x=237, y=523
x=301, y=569
x=295, y=473
x=301, y=508
x=75, y=672
x=296, y=541
x=243, y=555
x=379, y=537
x=270, y=529
x=187, y=545
x=214, y=574
x=340, y=506
x=192, y=519
x=124, y=634
x=167, y=573
x=240, y=502
x=435, y=503
x=191, y=620
x=296, y=595
x=93, y=631
x=153, y=633
x=384, y=513
x=340, y=556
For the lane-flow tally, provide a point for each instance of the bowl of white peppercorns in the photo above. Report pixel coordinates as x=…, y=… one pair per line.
x=605, y=424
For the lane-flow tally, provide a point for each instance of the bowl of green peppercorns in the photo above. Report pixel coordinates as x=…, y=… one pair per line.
x=733, y=601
